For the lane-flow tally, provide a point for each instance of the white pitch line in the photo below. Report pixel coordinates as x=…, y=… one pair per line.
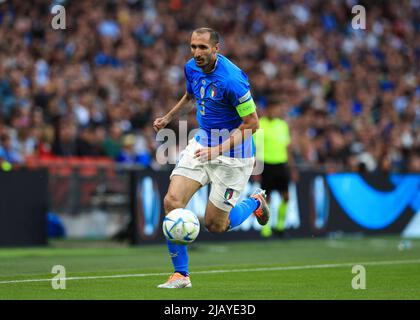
x=316, y=266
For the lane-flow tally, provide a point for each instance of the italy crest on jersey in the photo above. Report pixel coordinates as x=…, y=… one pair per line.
x=213, y=91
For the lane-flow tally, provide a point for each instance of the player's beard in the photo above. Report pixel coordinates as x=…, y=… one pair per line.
x=202, y=62
x=206, y=63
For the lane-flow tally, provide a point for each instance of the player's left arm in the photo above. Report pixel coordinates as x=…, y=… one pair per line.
x=249, y=125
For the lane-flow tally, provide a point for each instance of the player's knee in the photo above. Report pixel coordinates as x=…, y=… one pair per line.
x=215, y=227
x=171, y=202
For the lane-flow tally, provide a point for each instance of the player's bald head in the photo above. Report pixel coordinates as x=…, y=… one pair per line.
x=213, y=35
x=204, y=47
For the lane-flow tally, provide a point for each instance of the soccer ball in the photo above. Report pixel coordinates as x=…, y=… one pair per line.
x=181, y=226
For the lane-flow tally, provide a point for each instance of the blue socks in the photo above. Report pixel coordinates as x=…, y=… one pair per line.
x=242, y=211
x=179, y=256
x=237, y=215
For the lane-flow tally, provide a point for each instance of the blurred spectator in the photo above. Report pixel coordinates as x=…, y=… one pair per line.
x=89, y=143
x=352, y=96
x=7, y=152
x=65, y=141
x=45, y=142
x=113, y=141
x=128, y=154
x=414, y=162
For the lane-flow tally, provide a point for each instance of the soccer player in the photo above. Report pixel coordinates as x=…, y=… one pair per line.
x=224, y=104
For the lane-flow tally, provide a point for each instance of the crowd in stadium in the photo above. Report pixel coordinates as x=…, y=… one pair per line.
x=351, y=97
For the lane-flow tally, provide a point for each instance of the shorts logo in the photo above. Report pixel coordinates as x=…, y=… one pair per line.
x=213, y=91
x=228, y=194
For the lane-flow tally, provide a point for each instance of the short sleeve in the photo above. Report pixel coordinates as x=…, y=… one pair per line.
x=239, y=95
x=188, y=82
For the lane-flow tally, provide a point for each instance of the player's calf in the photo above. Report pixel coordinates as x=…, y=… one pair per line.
x=217, y=227
x=216, y=220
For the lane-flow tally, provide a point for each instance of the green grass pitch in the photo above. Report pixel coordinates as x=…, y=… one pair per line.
x=269, y=270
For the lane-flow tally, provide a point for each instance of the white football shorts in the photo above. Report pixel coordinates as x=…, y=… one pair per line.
x=227, y=176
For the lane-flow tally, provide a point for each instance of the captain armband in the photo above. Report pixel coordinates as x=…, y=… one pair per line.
x=246, y=108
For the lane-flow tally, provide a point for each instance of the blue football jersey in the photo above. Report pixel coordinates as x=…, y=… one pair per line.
x=222, y=97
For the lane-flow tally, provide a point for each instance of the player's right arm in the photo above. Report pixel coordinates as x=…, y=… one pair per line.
x=183, y=105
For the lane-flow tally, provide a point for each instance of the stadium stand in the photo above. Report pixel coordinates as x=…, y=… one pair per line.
x=352, y=96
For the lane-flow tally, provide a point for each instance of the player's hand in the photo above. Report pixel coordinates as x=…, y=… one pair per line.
x=161, y=123
x=206, y=154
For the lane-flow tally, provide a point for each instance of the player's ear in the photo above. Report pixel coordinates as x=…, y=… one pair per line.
x=216, y=48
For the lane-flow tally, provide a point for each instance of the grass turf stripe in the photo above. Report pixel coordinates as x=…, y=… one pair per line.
x=284, y=268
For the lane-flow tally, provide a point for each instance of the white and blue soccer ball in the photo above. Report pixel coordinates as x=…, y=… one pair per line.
x=181, y=226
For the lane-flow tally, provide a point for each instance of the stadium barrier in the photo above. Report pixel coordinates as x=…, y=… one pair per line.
x=95, y=198
x=89, y=195
x=321, y=204
x=23, y=207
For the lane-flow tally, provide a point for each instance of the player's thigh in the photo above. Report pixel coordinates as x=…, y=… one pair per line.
x=187, y=177
x=180, y=191
x=228, y=182
x=216, y=219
